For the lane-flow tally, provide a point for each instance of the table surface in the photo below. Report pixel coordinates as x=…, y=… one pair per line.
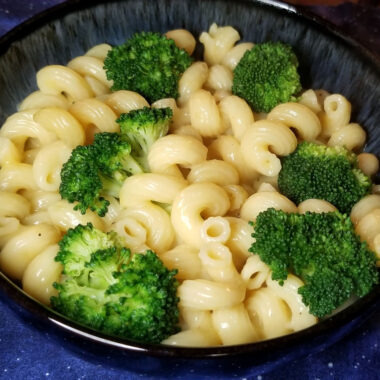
x=28, y=351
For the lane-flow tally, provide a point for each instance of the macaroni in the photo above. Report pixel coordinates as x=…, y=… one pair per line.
x=192, y=204
x=352, y=136
x=299, y=117
x=233, y=56
x=183, y=39
x=218, y=42
x=263, y=142
x=236, y=114
x=219, y=78
x=57, y=79
x=217, y=260
x=172, y=150
x=210, y=295
x=192, y=80
x=41, y=273
x=260, y=202
x=216, y=171
x=124, y=101
x=337, y=114
x=204, y=114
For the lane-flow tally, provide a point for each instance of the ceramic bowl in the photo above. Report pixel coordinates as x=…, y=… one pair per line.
x=327, y=60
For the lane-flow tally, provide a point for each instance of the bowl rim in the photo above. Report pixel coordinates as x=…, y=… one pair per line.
x=16, y=294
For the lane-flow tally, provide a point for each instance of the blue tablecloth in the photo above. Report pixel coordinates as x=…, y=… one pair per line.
x=29, y=350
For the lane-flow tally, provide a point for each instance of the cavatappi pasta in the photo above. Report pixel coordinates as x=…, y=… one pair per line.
x=216, y=170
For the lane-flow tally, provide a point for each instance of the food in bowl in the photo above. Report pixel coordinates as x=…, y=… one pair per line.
x=135, y=219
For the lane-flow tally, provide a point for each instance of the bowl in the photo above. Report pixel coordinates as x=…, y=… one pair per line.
x=327, y=60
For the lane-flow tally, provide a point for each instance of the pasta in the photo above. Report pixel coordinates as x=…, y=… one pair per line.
x=215, y=230
x=239, y=241
x=218, y=42
x=183, y=39
x=352, y=136
x=15, y=177
x=195, y=201
x=315, y=205
x=268, y=312
x=311, y=100
x=204, y=114
x=185, y=259
x=24, y=245
x=368, y=164
x=198, y=330
x=263, y=200
x=233, y=56
x=193, y=338
x=158, y=234
x=234, y=326
x=123, y=102
x=210, y=295
x=173, y=150
x=236, y=114
x=227, y=148
x=216, y=171
x=279, y=310
x=149, y=187
x=38, y=99
x=63, y=216
x=213, y=173
x=217, y=260
x=366, y=216
x=299, y=117
x=337, y=114
x=21, y=126
x=237, y=195
x=192, y=80
x=48, y=163
x=263, y=142
x=254, y=273
x=219, y=78
x=94, y=112
x=41, y=273
x=57, y=79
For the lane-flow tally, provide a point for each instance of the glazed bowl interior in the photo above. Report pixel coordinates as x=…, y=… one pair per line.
x=326, y=61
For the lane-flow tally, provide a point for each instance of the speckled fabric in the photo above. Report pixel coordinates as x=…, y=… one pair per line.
x=32, y=350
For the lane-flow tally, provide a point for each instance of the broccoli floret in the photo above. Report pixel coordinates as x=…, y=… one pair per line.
x=81, y=181
x=147, y=63
x=97, y=170
x=114, y=160
x=267, y=75
x=322, y=172
x=107, y=288
x=322, y=249
x=142, y=127
x=148, y=311
x=78, y=244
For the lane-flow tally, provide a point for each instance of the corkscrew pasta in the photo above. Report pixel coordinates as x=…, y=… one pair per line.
x=215, y=171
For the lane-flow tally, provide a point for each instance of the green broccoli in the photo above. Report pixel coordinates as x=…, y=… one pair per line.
x=149, y=308
x=114, y=159
x=147, y=63
x=97, y=170
x=108, y=289
x=267, y=75
x=142, y=127
x=322, y=249
x=81, y=182
x=78, y=244
x=322, y=172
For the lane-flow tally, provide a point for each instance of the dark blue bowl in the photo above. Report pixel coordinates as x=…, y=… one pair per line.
x=327, y=60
